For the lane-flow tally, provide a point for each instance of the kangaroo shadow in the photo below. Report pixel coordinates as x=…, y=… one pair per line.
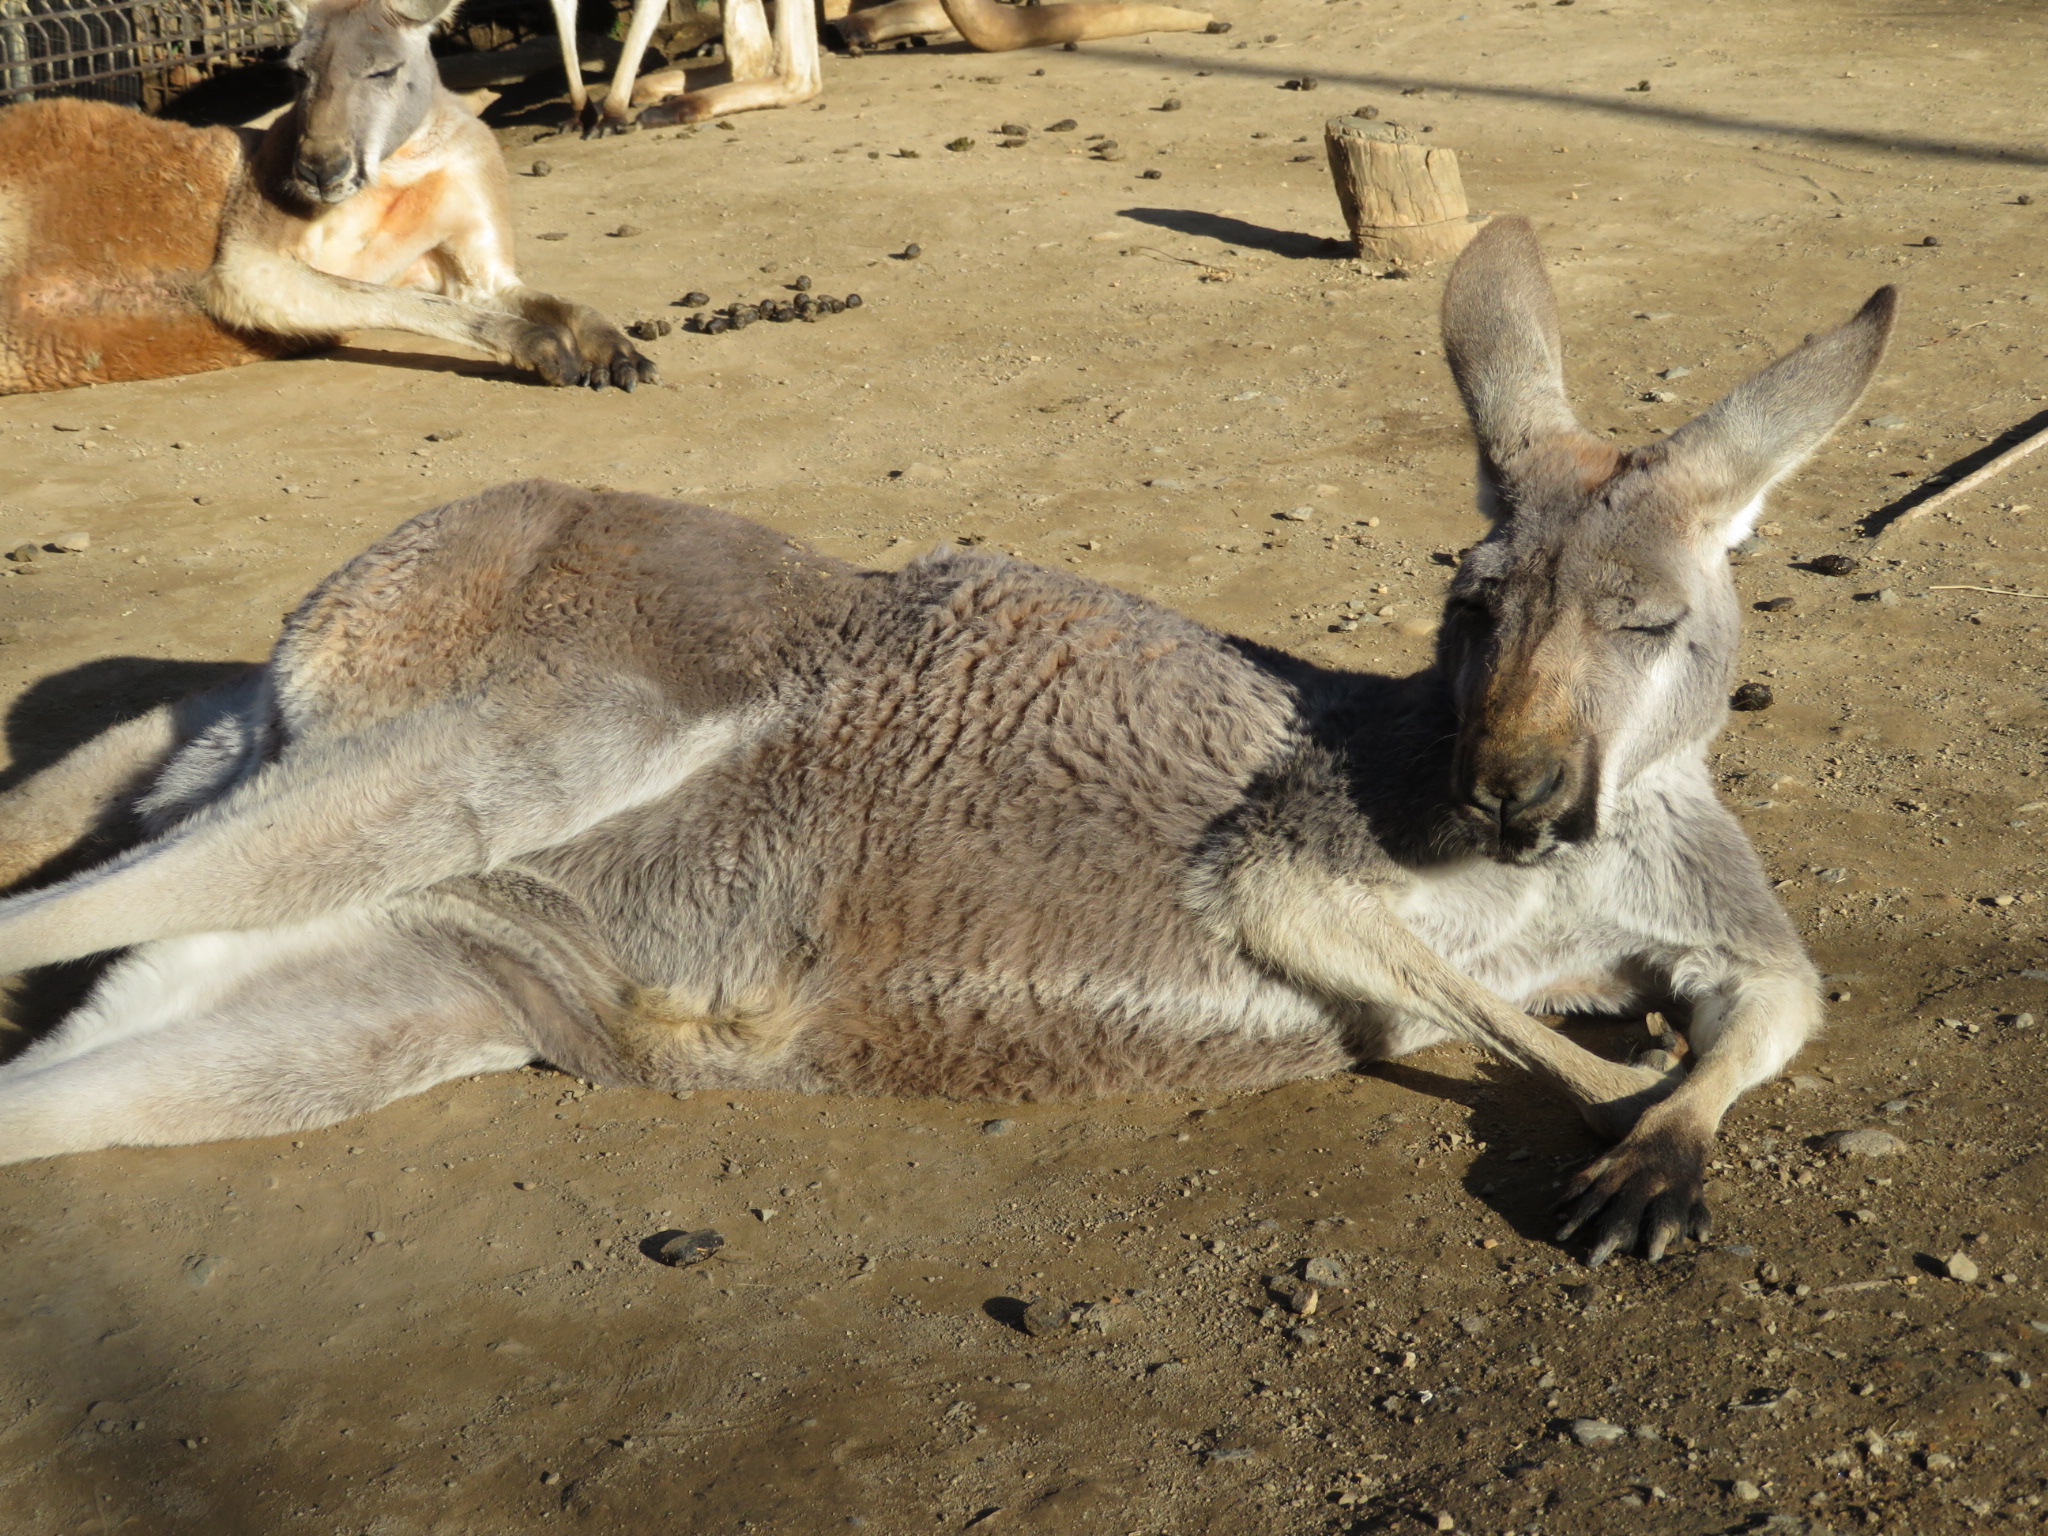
x=1532, y=1139
x=62, y=712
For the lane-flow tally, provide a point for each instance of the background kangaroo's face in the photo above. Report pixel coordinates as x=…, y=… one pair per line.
x=368, y=83
x=1592, y=633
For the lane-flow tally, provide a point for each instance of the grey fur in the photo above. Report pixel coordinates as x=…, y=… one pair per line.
x=661, y=796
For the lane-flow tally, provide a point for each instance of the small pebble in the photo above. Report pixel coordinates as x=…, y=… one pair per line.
x=24, y=553
x=1368, y=112
x=687, y=1248
x=2025, y=200
x=1751, y=697
x=1064, y=125
x=853, y=301
x=1776, y=605
x=1674, y=373
x=1863, y=1141
x=1886, y=422
x=1046, y=1317
x=553, y=234
x=1014, y=131
x=1596, y=1432
x=1298, y=514
x=1659, y=396
x=1324, y=1272
x=627, y=231
x=1745, y=1490
x=959, y=144
x=694, y=299
x=1931, y=240
x=1171, y=104
x=997, y=1127
x=912, y=251
x=1960, y=1266
x=76, y=543
x=2020, y=1020
x=1834, y=565
x=1150, y=175
x=1886, y=597
x=540, y=168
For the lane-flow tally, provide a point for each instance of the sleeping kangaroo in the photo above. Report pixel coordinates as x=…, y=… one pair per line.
x=666, y=798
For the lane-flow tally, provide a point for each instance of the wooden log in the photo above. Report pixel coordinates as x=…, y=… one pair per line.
x=1405, y=204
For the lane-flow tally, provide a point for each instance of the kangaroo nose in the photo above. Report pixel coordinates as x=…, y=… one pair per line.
x=329, y=170
x=1511, y=794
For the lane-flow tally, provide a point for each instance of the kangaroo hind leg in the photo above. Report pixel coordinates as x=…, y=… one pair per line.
x=254, y=1034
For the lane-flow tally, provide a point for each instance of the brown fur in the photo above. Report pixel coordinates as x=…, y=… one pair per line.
x=108, y=221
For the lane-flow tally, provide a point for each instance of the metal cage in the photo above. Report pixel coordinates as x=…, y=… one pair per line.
x=136, y=51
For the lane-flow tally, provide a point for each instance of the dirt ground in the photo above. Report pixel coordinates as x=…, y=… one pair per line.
x=439, y=1318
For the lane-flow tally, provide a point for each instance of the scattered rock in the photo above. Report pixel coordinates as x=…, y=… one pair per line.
x=1885, y=423
x=1742, y=1488
x=1591, y=1432
x=1171, y=104
x=1863, y=1141
x=687, y=1248
x=23, y=554
x=540, y=168
x=1064, y=125
x=553, y=234
x=71, y=543
x=1751, y=697
x=997, y=1127
x=1014, y=131
x=910, y=252
x=1886, y=597
x=1327, y=1273
x=1297, y=514
x=1776, y=605
x=1043, y=1317
x=964, y=142
x=1960, y=1267
x=1834, y=565
x=694, y=299
x=1658, y=396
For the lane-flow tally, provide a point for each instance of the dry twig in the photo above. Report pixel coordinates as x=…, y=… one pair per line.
x=1995, y=592
x=1975, y=478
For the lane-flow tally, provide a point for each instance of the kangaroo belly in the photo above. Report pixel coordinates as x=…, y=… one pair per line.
x=108, y=219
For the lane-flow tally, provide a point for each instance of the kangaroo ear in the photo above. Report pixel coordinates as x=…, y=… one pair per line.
x=1500, y=334
x=1736, y=449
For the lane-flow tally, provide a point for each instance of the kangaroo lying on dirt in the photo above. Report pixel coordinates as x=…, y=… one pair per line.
x=133, y=248
x=666, y=798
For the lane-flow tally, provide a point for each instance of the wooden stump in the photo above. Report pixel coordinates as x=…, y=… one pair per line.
x=1405, y=204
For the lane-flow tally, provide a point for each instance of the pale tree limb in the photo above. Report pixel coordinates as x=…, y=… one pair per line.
x=1971, y=481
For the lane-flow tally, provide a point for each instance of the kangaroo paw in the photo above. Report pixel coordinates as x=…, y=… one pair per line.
x=1651, y=1186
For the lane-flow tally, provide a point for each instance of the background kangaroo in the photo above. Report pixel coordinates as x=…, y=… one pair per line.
x=133, y=248
x=660, y=796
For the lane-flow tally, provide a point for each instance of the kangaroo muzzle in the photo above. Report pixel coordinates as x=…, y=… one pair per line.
x=1523, y=798
x=329, y=173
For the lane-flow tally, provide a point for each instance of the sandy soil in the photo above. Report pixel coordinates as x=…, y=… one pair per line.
x=439, y=1319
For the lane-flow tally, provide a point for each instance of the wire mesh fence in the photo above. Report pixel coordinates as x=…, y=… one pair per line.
x=134, y=51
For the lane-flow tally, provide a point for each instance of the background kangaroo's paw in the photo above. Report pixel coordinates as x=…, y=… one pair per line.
x=550, y=351
x=1652, y=1184
x=610, y=359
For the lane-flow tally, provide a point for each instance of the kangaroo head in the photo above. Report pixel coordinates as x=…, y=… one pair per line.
x=368, y=82
x=1592, y=633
